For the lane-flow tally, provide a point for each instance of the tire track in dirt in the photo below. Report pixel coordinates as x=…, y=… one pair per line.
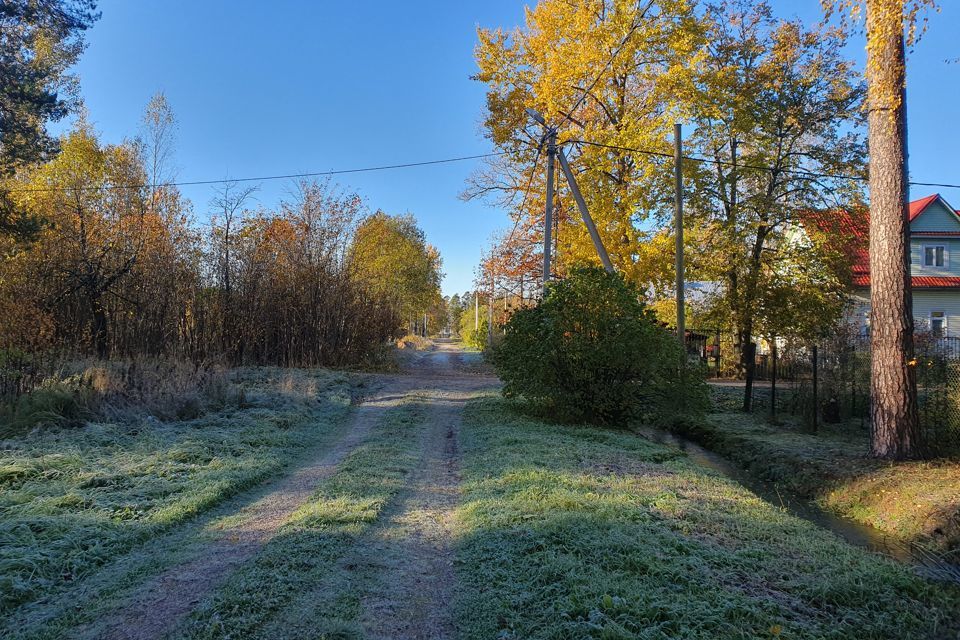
x=410, y=597
x=413, y=547
x=160, y=605
x=402, y=568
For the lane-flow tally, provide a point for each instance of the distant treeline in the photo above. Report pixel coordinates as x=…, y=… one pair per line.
x=114, y=266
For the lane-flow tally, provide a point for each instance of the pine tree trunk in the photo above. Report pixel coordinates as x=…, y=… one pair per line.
x=893, y=386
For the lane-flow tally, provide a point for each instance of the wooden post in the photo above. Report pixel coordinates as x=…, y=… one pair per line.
x=548, y=208
x=773, y=379
x=816, y=399
x=678, y=230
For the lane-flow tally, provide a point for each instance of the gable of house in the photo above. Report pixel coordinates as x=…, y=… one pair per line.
x=933, y=215
x=934, y=243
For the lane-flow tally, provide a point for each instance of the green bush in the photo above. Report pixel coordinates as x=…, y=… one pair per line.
x=474, y=338
x=592, y=351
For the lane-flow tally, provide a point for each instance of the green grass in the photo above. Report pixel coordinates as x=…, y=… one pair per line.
x=912, y=501
x=73, y=500
x=569, y=532
x=298, y=586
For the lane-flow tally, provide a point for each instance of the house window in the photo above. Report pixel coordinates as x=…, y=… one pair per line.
x=934, y=255
x=938, y=323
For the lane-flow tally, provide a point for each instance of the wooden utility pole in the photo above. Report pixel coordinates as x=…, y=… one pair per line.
x=548, y=208
x=678, y=230
x=490, y=313
x=893, y=384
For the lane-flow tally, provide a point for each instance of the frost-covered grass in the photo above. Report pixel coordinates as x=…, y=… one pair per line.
x=568, y=532
x=300, y=586
x=73, y=499
x=912, y=501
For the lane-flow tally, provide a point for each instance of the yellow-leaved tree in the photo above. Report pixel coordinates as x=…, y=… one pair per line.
x=602, y=71
x=391, y=256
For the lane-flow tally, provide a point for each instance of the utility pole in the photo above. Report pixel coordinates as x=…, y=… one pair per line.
x=490, y=314
x=554, y=152
x=582, y=205
x=548, y=209
x=678, y=222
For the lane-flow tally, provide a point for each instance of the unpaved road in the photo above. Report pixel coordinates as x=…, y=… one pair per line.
x=412, y=542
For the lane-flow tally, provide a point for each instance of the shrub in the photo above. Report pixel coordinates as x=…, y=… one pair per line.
x=415, y=342
x=592, y=351
x=118, y=391
x=474, y=338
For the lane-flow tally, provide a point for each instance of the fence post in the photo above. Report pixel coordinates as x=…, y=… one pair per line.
x=816, y=401
x=773, y=379
x=751, y=372
x=716, y=353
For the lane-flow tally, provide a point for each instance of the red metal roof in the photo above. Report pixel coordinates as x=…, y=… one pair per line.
x=917, y=206
x=917, y=282
x=852, y=229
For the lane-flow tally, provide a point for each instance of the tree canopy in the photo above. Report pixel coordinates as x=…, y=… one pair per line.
x=392, y=255
x=40, y=40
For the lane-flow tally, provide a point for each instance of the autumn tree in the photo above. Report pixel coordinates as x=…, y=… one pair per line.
x=603, y=70
x=775, y=109
x=96, y=229
x=391, y=254
x=40, y=40
x=229, y=205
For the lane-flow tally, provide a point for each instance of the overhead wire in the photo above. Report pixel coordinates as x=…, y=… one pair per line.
x=312, y=174
x=801, y=172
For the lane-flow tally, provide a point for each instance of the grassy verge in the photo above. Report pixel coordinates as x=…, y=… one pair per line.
x=75, y=499
x=579, y=532
x=912, y=501
x=299, y=586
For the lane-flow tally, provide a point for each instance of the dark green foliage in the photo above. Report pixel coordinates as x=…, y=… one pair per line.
x=40, y=39
x=592, y=351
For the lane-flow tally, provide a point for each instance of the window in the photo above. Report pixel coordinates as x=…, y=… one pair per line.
x=934, y=255
x=938, y=323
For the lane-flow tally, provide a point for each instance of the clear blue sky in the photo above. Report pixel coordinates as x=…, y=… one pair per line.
x=264, y=88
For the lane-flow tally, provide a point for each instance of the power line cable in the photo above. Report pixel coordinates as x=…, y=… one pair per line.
x=583, y=96
x=801, y=172
x=334, y=172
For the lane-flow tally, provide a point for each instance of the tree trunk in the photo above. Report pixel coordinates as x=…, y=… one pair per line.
x=893, y=385
x=99, y=332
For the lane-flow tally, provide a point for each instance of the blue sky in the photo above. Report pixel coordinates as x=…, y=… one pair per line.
x=298, y=86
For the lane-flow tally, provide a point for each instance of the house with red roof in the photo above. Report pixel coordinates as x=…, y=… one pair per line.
x=934, y=263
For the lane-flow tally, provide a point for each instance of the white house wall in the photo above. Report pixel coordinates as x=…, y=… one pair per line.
x=951, y=262
x=946, y=300
x=924, y=302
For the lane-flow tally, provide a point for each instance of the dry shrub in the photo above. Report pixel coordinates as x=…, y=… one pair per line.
x=417, y=343
x=120, y=391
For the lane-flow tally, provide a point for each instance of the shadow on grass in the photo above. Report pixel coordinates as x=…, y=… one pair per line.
x=584, y=532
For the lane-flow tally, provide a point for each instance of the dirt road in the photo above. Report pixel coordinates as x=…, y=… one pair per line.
x=411, y=544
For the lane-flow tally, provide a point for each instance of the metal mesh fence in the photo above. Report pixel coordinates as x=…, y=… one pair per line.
x=829, y=382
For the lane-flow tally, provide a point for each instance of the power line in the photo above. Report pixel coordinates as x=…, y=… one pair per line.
x=334, y=172
x=801, y=172
x=526, y=192
x=596, y=80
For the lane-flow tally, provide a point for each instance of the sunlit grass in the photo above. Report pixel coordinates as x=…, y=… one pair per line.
x=298, y=586
x=574, y=532
x=74, y=499
x=913, y=501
